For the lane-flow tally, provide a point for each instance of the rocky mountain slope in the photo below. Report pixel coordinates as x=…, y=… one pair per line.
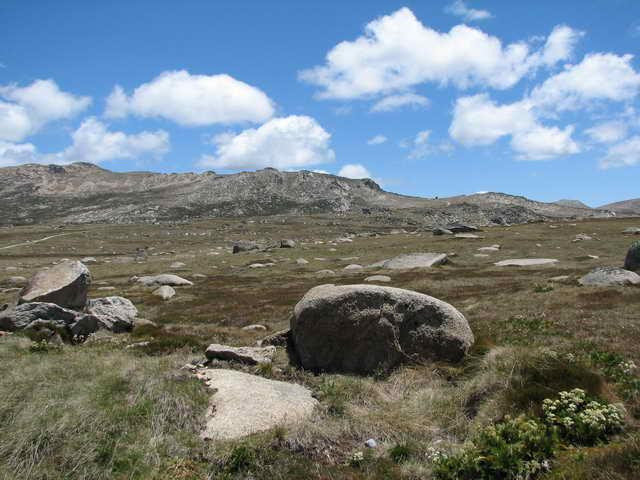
x=626, y=207
x=86, y=193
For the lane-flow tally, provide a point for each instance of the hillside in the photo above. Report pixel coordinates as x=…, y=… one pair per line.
x=86, y=193
x=625, y=207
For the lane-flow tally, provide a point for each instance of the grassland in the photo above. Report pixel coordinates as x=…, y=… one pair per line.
x=101, y=410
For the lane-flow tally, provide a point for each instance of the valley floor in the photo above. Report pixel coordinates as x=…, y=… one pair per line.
x=100, y=410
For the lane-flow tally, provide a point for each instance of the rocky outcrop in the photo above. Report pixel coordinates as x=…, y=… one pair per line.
x=365, y=328
x=66, y=284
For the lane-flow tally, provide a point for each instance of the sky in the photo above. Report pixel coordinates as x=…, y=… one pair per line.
x=428, y=98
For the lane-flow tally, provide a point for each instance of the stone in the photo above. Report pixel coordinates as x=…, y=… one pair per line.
x=441, y=231
x=470, y=236
x=66, y=284
x=492, y=248
x=245, y=246
x=581, y=237
x=117, y=312
x=371, y=443
x=462, y=228
x=378, y=278
x=19, y=317
x=525, y=262
x=353, y=266
x=255, y=328
x=632, y=260
x=86, y=325
x=177, y=265
x=258, y=265
x=243, y=404
x=631, y=231
x=248, y=355
x=610, y=276
x=162, y=279
x=88, y=260
x=165, y=292
x=287, y=243
x=301, y=261
x=325, y=273
x=366, y=328
x=280, y=339
x=480, y=255
x=106, y=288
x=412, y=260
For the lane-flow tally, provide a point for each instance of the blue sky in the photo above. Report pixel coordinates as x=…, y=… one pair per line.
x=429, y=98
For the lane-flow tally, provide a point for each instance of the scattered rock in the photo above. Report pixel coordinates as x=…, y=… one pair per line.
x=631, y=231
x=492, y=248
x=165, y=292
x=353, y=266
x=412, y=260
x=325, y=273
x=116, y=313
x=480, y=255
x=378, y=278
x=462, y=228
x=581, y=237
x=19, y=317
x=278, y=339
x=363, y=328
x=88, y=260
x=243, y=404
x=162, y=279
x=632, y=260
x=610, y=276
x=471, y=236
x=177, y=265
x=525, y=262
x=248, y=355
x=302, y=261
x=287, y=243
x=371, y=443
x=441, y=231
x=106, y=288
x=246, y=246
x=560, y=278
x=255, y=328
x=66, y=284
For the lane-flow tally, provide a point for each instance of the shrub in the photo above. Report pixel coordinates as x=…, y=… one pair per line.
x=621, y=371
x=516, y=448
x=581, y=420
x=400, y=453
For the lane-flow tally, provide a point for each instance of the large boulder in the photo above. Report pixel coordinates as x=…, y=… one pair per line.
x=242, y=404
x=116, y=313
x=412, y=260
x=22, y=315
x=65, y=284
x=610, y=276
x=364, y=328
x=632, y=261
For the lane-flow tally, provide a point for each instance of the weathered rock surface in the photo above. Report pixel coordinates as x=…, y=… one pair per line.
x=412, y=260
x=243, y=404
x=363, y=328
x=165, y=292
x=248, y=355
x=610, y=276
x=632, y=260
x=22, y=315
x=116, y=313
x=525, y=262
x=162, y=279
x=441, y=231
x=65, y=284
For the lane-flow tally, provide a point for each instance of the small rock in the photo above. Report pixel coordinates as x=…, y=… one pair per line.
x=106, y=288
x=88, y=260
x=581, y=237
x=371, y=443
x=462, y=228
x=248, y=355
x=471, y=236
x=325, y=273
x=165, y=292
x=246, y=246
x=287, y=243
x=412, y=260
x=525, y=262
x=378, y=279
x=163, y=279
x=255, y=328
x=177, y=265
x=353, y=266
x=301, y=261
x=278, y=339
x=631, y=231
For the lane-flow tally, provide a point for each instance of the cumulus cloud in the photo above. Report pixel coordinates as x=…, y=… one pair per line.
x=607, y=132
x=599, y=76
x=421, y=147
x=193, y=100
x=91, y=142
x=394, y=102
x=477, y=120
x=283, y=143
x=354, y=170
x=25, y=110
x=624, y=154
x=377, y=140
x=397, y=52
x=459, y=8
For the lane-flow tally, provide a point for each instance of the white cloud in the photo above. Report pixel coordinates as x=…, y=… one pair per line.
x=421, y=147
x=542, y=143
x=599, y=76
x=608, y=132
x=624, y=154
x=193, y=100
x=397, y=52
x=354, y=170
x=377, y=140
x=394, y=102
x=459, y=8
x=25, y=110
x=289, y=142
x=91, y=142
x=477, y=120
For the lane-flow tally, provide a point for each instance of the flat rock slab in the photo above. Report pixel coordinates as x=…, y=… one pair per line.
x=244, y=404
x=65, y=284
x=412, y=260
x=163, y=279
x=248, y=355
x=610, y=276
x=525, y=262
